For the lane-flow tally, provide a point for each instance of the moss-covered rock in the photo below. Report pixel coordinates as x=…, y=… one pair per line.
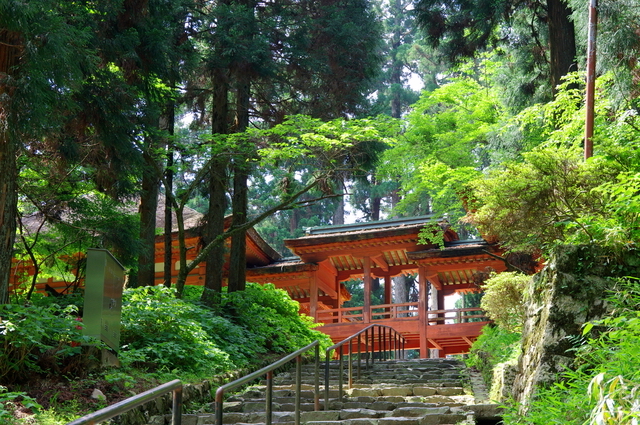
x=559, y=300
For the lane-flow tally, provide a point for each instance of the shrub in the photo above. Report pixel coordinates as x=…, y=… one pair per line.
x=502, y=299
x=41, y=340
x=272, y=318
x=494, y=345
x=160, y=331
x=9, y=403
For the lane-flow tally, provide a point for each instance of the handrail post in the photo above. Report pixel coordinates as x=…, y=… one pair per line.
x=350, y=368
x=218, y=401
x=176, y=413
x=269, y=398
x=340, y=377
x=366, y=345
x=316, y=398
x=379, y=343
x=326, y=379
x=385, y=333
x=393, y=346
x=298, y=387
x=359, y=354
x=404, y=354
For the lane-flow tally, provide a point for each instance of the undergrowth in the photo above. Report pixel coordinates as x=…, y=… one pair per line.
x=162, y=338
x=494, y=345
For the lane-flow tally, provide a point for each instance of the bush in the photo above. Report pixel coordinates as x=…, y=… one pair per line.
x=502, y=299
x=272, y=318
x=41, y=341
x=9, y=402
x=160, y=331
x=494, y=345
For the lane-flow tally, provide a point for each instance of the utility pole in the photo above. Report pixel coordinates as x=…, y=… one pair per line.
x=591, y=78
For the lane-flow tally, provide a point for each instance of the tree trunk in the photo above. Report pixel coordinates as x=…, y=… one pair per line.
x=168, y=217
x=213, y=281
x=239, y=205
x=396, y=66
x=217, y=192
x=338, y=215
x=148, y=209
x=8, y=209
x=9, y=57
x=562, y=41
x=376, y=202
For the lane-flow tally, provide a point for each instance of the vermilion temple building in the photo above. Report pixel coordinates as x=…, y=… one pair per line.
x=328, y=256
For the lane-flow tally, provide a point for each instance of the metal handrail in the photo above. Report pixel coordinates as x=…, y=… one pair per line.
x=395, y=343
x=123, y=406
x=268, y=371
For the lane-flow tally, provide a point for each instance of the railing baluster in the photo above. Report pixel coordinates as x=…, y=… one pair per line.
x=350, y=369
x=326, y=379
x=359, y=355
x=298, y=387
x=269, y=398
x=340, y=377
x=367, y=343
x=316, y=398
x=387, y=339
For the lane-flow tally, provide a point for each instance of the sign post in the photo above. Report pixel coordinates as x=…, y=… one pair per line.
x=103, y=301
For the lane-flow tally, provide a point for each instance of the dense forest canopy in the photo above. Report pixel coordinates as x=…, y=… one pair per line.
x=290, y=115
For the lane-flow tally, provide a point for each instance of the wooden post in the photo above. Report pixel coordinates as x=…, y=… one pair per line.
x=387, y=290
x=366, y=313
x=422, y=311
x=441, y=305
x=313, y=296
x=591, y=78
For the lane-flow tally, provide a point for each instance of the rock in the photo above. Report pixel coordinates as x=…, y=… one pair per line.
x=98, y=395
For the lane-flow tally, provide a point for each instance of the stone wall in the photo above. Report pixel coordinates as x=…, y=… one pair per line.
x=192, y=394
x=504, y=375
x=567, y=293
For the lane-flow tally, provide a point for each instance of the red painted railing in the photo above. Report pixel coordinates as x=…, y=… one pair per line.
x=404, y=311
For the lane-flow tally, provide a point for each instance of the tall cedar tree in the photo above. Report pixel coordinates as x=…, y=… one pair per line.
x=150, y=66
x=267, y=61
x=461, y=28
x=44, y=58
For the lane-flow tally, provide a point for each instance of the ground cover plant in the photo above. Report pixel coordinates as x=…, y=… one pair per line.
x=494, y=346
x=48, y=376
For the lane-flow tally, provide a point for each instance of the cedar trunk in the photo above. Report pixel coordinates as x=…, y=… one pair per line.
x=9, y=57
x=239, y=204
x=213, y=280
x=148, y=209
x=562, y=41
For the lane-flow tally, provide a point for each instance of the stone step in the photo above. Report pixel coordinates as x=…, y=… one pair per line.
x=396, y=392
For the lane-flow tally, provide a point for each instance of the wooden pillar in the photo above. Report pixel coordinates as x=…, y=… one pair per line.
x=387, y=290
x=366, y=309
x=441, y=304
x=422, y=311
x=338, y=293
x=313, y=296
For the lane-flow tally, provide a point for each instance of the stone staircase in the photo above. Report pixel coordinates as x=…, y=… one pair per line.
x=393, y=392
